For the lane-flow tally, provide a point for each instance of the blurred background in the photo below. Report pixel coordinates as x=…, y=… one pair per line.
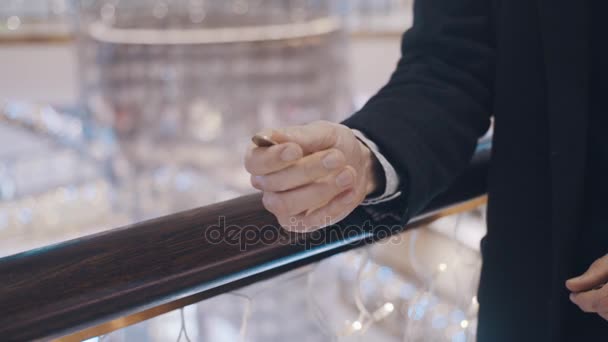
x=115, y=111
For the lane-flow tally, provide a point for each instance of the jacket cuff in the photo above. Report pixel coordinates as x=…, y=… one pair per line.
x=391, y=188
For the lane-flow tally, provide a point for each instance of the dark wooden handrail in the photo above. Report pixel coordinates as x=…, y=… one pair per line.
x=63, y=288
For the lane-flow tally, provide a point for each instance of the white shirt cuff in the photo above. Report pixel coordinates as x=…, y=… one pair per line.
x=392, y=178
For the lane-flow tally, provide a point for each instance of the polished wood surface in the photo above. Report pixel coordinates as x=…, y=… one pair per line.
x=125, y=321
x=68, y=287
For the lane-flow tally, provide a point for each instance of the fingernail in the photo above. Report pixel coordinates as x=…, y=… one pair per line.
x=349, y=198
x=571, y=297
x=290, y=153
x=331, y=161
x=345, y=178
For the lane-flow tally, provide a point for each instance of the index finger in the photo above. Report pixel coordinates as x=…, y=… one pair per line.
x=596, y=274
x=260, y=161
x=592, y=300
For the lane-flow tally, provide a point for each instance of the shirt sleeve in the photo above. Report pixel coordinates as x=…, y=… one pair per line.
x=391, y=176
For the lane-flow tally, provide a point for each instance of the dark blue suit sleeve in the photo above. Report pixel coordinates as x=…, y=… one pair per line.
x=428, y=118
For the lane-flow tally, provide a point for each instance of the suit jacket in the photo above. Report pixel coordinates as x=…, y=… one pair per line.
x=524, y=63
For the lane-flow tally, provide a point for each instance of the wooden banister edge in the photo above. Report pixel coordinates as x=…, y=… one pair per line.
x=71, y=286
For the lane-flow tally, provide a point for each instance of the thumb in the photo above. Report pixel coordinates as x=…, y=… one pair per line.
x=596, y=275
x=312, y=137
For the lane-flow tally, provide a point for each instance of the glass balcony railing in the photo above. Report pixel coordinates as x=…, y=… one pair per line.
x=127, y=275
x=167, y=93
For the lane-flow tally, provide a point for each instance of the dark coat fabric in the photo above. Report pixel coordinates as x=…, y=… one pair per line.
x=523, y=63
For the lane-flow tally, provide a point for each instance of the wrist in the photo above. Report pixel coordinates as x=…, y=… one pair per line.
x=373, y=171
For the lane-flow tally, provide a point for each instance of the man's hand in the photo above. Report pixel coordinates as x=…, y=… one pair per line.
x=315, y=176
x=589, y=290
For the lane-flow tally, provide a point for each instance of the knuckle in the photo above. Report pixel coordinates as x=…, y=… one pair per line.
x=593, y=305
x=273, y=203
x=587, y=306
x=585, y=309
x=603, y=301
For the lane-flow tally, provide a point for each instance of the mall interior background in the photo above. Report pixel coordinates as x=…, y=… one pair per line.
x=115, y=111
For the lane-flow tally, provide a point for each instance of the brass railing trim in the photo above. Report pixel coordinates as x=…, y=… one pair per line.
x=128, y=320
x=123, y=322
x=378, y=34
x=17, y=39
x=67, y=37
